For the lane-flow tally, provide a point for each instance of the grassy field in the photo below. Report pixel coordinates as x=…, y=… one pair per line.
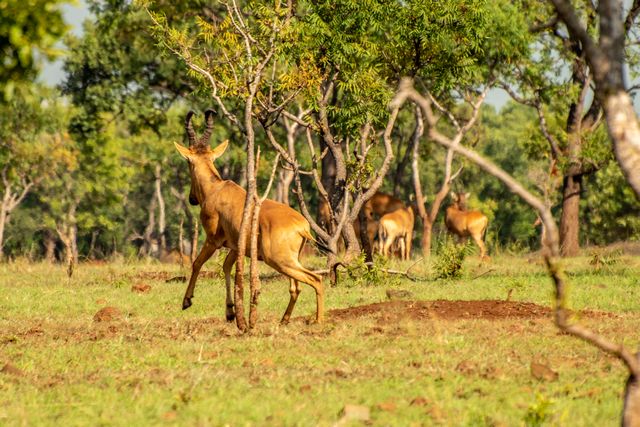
x=158, y=365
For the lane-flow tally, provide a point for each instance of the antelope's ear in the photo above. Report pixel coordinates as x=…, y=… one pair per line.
x=467, y=195
x=454, y=196
x=184, y=151
x=219, y=150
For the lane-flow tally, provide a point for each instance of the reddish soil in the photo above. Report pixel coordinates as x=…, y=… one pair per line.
x=448, y=310
x=107, y=314
x=141, y=288
x=171, y=277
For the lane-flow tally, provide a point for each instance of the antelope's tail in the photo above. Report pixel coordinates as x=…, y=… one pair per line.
x=321, y=246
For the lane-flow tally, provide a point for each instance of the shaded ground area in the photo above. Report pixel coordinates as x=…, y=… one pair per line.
x=451, y=310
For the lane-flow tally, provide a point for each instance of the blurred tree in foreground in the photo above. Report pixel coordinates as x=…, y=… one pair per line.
x=29, y=32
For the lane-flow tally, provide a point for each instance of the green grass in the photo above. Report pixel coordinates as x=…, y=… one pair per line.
x=160, y=365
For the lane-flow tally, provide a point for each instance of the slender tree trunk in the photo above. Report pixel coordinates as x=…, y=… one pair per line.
x=147, y=244
x=631, y=410
x=401, y=169
x=162, y=240
x=181, y=241
x=4, y=218
x=254, y=279
x=194, y=239
x=364, y=236
x=328, y=177
x=92, y=245
x=68, y=233
x=570, y=219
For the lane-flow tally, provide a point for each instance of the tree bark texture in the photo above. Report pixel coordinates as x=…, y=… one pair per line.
x=570, y=218
x=162, y=240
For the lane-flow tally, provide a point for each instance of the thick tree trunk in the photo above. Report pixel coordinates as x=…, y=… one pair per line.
x=622, y=123
x=631, y=412
x=570, y=218
x=49, y=247
x=427, y=231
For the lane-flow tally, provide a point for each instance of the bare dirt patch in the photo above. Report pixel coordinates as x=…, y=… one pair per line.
x=107, y=314
x=168, y=276
x=451, y=310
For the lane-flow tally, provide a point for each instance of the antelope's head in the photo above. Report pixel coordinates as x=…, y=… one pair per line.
x=200, y=155
x=460, y=200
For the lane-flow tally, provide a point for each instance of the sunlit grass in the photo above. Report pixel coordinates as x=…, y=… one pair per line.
x=161, y=365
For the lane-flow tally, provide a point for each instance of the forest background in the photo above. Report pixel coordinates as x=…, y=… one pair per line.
x=89, y=167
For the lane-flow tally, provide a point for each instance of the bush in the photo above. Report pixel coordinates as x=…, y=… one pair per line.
x=448, y=264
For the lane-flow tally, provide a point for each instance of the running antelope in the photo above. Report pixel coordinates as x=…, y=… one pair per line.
x=463, y=223
x=397, y=225
x=283, y=231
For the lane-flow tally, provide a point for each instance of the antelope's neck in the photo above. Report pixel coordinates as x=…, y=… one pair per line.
x=208, y=180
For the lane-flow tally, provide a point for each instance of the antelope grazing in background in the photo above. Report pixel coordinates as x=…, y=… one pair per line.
x=282, y=231
x=381, y=204
x=463, y=223
x=396, y=226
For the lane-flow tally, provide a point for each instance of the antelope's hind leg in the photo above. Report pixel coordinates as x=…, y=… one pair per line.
x=301, y=274
x=294, y=291
x=226, y=267
x=208, y=249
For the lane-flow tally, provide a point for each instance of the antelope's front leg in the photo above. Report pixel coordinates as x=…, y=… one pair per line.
x=226, y=267
x=207, y=250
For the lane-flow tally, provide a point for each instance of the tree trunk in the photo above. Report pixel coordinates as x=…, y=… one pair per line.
x=92, y=245
x=328, y=177
x=364, y=236
x=194, y=239
x=147, y=245
x=49, y=247
x=254, y=279
x=401, y=169
x=570, y=219
x=622, y=123
x=162, y=240
x=427, y=231
x=631, y=410
x=4, y=218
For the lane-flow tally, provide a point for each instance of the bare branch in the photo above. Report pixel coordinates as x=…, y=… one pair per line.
x=542, y=122
x=271, y=178
x=444, y=111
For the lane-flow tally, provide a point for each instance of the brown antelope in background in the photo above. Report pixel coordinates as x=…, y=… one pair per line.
x=397, y=225
x=463, y=223
x=283, y=231
x=379, y=205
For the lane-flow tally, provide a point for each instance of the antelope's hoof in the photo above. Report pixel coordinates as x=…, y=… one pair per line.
x=231, y=315
x=186, y=303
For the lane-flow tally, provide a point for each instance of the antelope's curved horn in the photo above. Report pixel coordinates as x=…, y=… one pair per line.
x=189, y=128
x=208, y=115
